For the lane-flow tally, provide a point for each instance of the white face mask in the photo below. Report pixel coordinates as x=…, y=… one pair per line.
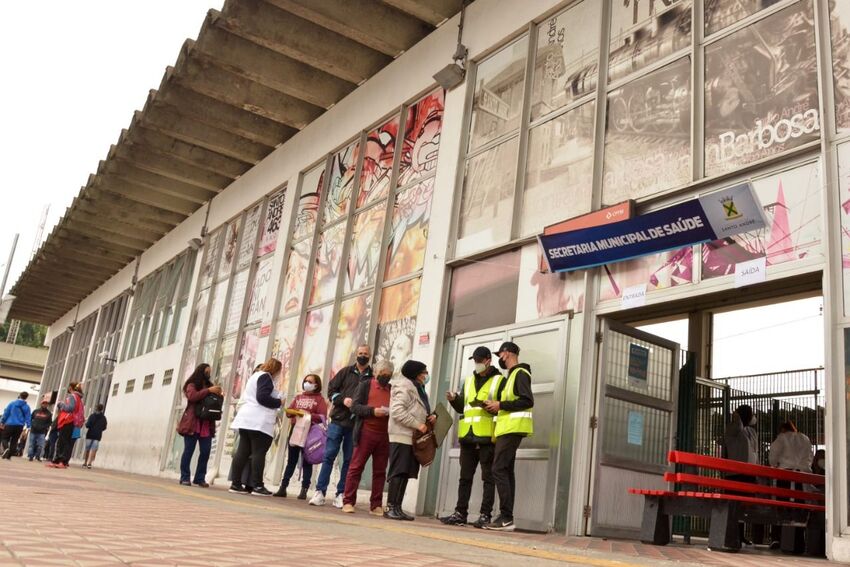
x=480, y=367
x=753, y=421
x=308, y=386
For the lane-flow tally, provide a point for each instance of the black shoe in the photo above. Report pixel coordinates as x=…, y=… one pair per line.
x=393, y=513
x=261, y=491
x=482, y=521
x=501, y=524
x=198, y=484
x=281, y=491
x=404, y=515
x=185, y=483
x=303, y=494
x=29, y=459
x=239, y=489
x=456, y=519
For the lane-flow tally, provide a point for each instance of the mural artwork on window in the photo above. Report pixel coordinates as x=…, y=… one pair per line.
x=296, y=277
x=761, y=95
x=791, y=201
x=259, y=307
x=543, y=294
x=566, y=66
x=365, y=251
x=308, y=203
x=249, y=240
x=314, y=347
x=352, y=329
x=657, y=271
x=246, y=362
x=224, y=364
x=189, y=362
x=328, y=260
x=271, y=226
x=839, y=16
x=646, y=31
x=378, y=162
x=343, y=166
x=228, y=252
x=411, y=215
x=237, y=298
x=285, y=336
x=219, y=294
x=423, y=125
x=720, y=14
x=647, y=135
x=199, y=312
x=397, y=321
x=210, y=257
x=844, y=201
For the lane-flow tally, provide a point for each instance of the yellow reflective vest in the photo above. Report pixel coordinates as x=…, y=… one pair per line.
x=514, y=422
x=477, y=419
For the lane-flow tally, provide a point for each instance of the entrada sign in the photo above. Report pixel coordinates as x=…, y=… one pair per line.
x=710, y=217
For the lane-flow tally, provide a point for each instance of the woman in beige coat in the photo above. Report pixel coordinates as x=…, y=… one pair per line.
x=409, y=411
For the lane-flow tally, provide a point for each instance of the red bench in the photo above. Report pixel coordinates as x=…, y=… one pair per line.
x=738, y=501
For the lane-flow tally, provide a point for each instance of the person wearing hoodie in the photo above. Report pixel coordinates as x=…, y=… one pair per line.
x=514, y=422
x=41, y=420
x=475, y=434
x=410, y=411
x=310, y=401
x=16, y=416
x=95, y=426
x=71, y=417
x=740, y=440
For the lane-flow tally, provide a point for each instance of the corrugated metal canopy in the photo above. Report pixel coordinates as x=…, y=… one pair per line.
x=259, y=72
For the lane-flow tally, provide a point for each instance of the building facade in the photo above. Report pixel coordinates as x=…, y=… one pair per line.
x=406, y=217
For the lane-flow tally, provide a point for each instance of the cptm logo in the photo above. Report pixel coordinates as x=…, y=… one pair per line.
x=730, y=210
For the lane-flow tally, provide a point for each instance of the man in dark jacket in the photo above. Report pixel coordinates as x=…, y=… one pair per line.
x=513, y=422
x=95, y=426
x=475, y=433
x=41, y=420
x=341, y=393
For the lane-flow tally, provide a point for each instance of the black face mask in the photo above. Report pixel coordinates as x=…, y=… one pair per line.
x=502, y=364
x=383, y=380
x=362, y=360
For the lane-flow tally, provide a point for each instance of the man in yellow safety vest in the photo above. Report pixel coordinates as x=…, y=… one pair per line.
x=475, y=433
x=513, y=422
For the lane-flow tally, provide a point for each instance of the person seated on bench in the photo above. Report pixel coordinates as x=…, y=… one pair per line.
x=819, y=463
x=791, y=451
x=739, y=444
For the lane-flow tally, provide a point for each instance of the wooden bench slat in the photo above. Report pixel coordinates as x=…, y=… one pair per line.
x=751, y=500
x=725, y=465
x=684, y=478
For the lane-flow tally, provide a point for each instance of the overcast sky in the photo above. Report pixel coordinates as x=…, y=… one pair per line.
x=73, y=74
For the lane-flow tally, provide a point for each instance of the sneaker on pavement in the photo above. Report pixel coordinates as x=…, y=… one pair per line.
x=348, y=508
x=318, y=499
x=501, y=524
x=261, y=491
x=239, y=489
x=377, y=511
x=338, y=501
x=482, y=521
x=455, y=519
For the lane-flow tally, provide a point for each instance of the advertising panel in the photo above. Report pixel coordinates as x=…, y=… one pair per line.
x=421, y=142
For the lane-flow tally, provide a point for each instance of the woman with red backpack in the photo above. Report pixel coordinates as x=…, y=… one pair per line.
x=71, y=415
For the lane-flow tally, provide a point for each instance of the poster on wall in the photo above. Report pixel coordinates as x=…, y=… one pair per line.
x=327, y=264
x=308, y=203
x=314, y=348
x=210, y=258
x=397, y=322
x=761, y=93
x=249, y=238
x=409, y=235
x=259, y=305
x=657, y=271
x=839, y=21
x=219, y=294
x=343, y=167
x=246, y=361
x=645, y=31
x=844, y=202
x=378, y=162
x=295, y=279
x=199, y=313
x=229, y=250
x=271, y=224
x=720, y=14
x=285, y=336
x=237, y=300
x=541, y=295
x=352, y=329
x=365, y=250
x=421, y=143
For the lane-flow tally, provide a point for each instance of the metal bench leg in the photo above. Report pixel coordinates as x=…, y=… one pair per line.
x=723, y=533
x=655, y=528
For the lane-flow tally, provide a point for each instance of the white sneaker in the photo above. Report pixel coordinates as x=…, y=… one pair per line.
x=318, y=499
x=338, y=501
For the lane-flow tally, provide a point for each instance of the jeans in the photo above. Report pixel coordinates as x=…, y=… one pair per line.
x=471, y=454
x=64, y=444
x=504, y=461
x=253, y=445
x=372, y=444
x=10, y=436
x=337, y=436
x=50, y=447
x=293, y=454
x=204, y=444
x=37, y=441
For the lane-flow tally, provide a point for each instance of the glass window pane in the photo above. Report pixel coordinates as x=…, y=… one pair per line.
x=314, y=347
x=566, y=65
x=328, y=260
x=499, y=87
x=647, y=137
x=761, y=93
x=397, y=322
x=559, y=174
x=487, y=204
x=844, y=201
x=228, y=252
x=343, y=166
x=219, y=294
x=213, y=250
x=224, y=362
x=246, y=362
x=422, y=129
x=542, y=294
x=259, y=307
x=720, y=14
x=352, y=329
x=656, y=271
x=249, y=239
x=657, y=382
x=208, y=352
x=643, y=32
x=378, y=162
x=411, y=216
x=189, y=362
x=308, y=203
x=285, y=336
x=365, y=251
x=237, y=300
x=199, y=312
x=791, y=202
x=295, y=279
x=271, y=225
x=627, y=423
x=483, y=294
x=839, y=18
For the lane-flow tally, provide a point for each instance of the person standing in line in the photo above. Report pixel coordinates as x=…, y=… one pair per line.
x=52, y=438
x=71, y=417
x=197, y=387
x=475, y=434
x=341, y=392
x=310, y=401
x=372, y=410
x=410, y=411
x=791, y=450
x=15, y=417
x=95, y=426
x=514, y=422
x=255, y=422
x=41, y=420
x=740, y=440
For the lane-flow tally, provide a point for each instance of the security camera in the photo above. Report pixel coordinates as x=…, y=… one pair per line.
x=195, y=243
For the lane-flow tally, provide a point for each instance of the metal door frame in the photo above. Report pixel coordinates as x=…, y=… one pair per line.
x=600, y=391
x=557, y=389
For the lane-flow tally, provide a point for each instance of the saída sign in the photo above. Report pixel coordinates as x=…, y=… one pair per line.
x=710, y=217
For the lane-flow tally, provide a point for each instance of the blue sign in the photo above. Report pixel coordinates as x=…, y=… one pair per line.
x=710, y=217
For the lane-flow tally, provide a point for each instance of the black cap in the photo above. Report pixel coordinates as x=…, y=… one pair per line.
x=481, y=353
x=412, y=368
x=508, y=346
